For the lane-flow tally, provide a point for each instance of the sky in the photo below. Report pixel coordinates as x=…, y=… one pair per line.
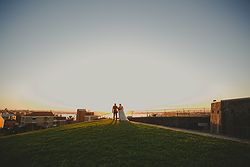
x=145, y=54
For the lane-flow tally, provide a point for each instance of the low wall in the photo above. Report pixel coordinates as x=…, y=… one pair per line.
x=201, y=123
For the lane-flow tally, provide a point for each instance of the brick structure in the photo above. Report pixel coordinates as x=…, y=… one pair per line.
x=215, y=117
x=82, y=114
x=231, y=117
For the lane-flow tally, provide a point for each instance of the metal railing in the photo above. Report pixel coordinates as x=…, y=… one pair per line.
x=180, y=112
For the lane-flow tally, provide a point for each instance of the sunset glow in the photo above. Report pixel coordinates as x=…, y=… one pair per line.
x=145, y=55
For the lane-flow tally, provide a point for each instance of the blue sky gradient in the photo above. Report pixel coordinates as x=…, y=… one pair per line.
x=145, y=54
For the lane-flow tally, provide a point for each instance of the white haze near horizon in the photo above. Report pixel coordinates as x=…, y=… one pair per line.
x=144, y=54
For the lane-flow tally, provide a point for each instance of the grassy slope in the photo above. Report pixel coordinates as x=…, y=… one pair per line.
x=105, y=143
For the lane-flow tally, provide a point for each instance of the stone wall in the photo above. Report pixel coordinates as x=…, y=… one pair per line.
x=235, y=117
x=195, y=123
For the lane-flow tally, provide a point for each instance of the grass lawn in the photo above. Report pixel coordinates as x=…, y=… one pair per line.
x=107, y=143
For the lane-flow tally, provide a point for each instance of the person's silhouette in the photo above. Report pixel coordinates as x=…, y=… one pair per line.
x=114, y=111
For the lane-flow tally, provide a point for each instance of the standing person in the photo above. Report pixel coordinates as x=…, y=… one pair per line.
x=114, y=111
x=122, y=116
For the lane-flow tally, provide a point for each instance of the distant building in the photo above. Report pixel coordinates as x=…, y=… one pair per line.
x=83, y=115
x=1, y=122
x=8, y=116
x=9, y=124
x=231, y=117
x=19, y=115
x=89, y=118
x=60, y=120
x=9, y=119
x=39, y=119
x=80, y=114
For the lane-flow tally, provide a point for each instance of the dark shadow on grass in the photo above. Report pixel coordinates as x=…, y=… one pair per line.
x=112, y=122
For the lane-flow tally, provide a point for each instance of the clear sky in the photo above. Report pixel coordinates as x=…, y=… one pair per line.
x=144, y=54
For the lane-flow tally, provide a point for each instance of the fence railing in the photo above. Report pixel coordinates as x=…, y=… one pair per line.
x=184, y=112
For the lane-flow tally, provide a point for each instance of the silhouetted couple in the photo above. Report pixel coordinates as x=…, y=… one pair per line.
x=118, y=110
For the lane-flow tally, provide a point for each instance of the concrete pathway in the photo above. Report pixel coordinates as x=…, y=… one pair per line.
x=196, y=132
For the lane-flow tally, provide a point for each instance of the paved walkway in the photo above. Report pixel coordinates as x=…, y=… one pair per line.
x=196, y=132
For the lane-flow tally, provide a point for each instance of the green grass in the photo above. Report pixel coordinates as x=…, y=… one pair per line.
x=107, y=143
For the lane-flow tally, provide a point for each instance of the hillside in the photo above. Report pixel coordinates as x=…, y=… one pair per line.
x=107, y=143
